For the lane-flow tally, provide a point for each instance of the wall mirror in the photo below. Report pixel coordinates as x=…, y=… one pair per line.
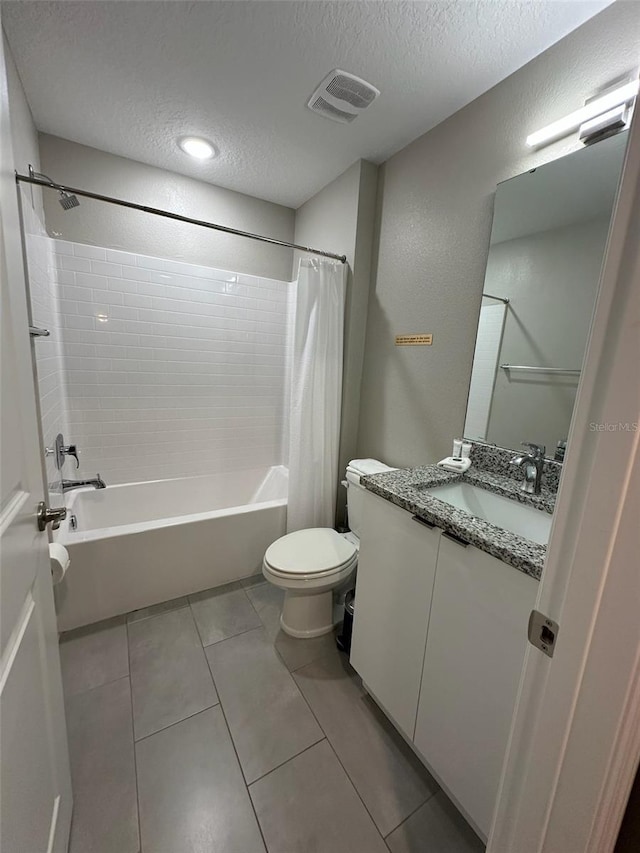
x=548, y=238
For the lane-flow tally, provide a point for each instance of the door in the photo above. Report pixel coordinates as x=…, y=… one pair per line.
x=396, y=568
x=575, y=738
x=35, y=786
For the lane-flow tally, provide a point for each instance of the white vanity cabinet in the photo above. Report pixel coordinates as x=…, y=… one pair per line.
x=474, y=656
x=396, y=570
x=439, y=638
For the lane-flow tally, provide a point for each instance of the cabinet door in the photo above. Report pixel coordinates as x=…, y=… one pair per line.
x=475, y=651
x=396, y=569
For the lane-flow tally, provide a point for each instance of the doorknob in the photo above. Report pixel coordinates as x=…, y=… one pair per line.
x=53, y=516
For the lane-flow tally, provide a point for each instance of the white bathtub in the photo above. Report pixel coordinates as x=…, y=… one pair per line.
x=142, y=543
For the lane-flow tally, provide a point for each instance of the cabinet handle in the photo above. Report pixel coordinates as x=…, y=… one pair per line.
x=455, y=539
x=424, y=521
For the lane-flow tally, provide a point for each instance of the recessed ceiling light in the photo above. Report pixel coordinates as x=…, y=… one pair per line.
x=197, y=147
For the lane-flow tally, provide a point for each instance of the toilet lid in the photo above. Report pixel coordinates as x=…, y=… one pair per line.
x=312, y=551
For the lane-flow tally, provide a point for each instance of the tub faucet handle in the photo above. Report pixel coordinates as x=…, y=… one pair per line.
x=72, y=450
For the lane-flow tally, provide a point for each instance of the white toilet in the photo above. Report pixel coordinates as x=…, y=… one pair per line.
x=310, y=564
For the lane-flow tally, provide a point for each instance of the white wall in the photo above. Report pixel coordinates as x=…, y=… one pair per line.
x=24, y=135
x=49, y=375
x=436, y=198
x=172, y=369
x=101, y=224
x=45, y=313
x=340, y=218
x=551, y=279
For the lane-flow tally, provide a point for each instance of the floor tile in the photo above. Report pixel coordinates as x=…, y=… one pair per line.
x=386, y=773
x=105, y=811
x=268, y=718
x=156, y=609
x=94, y=655
x=223, y=612
x=267, y=600
x=309, y=804
x=192, y=794
x=170, y=677
x=437, y=827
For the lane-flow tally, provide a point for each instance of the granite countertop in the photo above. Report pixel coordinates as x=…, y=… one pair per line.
x=405, y=488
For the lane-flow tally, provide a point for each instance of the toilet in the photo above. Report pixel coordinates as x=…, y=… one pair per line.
x=310, y=564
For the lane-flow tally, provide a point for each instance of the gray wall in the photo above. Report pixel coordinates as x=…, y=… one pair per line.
x=436, y=198
x=551, y=279
x=102, y=224
x=340, y=218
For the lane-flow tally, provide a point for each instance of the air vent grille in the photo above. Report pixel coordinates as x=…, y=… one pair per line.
x=322, y=106
x=342, y=96
x=351, y=90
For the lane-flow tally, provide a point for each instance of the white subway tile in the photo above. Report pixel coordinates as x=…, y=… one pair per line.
x=134, y=300
x=68, y=262
x=105, y=268
x=62, y=247
x=115, y=256
x=81, y=250
x=87, y=279
x=185, y=347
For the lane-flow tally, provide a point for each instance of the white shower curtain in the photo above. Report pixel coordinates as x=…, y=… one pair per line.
x=316, y=393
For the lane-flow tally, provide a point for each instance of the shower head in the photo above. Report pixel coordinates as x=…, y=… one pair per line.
x=68, y=201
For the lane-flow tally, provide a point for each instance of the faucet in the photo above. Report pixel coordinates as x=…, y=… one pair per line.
x=97, y=482
x=533, y=466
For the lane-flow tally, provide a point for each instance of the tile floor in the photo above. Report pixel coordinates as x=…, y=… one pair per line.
x=197, y=726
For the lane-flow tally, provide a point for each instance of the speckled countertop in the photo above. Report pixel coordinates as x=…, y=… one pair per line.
x=406, y=488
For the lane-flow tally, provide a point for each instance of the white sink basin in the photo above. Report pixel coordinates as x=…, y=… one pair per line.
x=518, y=518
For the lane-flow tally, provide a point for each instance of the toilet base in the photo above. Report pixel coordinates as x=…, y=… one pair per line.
x=306, y=615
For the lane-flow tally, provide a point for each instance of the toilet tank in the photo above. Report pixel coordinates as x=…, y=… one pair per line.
x=354, y=506
x=354, y=491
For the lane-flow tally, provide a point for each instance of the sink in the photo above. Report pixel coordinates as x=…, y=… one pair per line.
x=518, y=518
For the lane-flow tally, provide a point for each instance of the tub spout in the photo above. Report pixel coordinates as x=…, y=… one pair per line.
x=97, y=482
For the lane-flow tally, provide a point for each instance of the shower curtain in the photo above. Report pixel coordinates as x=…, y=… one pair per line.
x=316, y=393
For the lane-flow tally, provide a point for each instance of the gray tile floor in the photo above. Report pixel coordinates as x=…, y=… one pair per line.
x=198, y=726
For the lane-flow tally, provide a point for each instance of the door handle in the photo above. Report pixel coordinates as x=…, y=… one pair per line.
x=457, y=539
x=424, y=521
x=46, y=515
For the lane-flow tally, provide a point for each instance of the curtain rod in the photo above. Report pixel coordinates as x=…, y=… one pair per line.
x=28, y=179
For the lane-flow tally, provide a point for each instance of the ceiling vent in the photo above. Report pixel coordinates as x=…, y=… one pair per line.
x=342, y=96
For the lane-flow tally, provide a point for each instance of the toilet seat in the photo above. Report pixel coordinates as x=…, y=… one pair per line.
x=318, y=552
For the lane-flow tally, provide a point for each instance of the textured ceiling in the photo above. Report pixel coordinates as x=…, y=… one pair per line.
x=131, y=77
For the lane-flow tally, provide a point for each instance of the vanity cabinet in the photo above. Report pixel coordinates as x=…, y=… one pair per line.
x=474, y=656
x=439, y=638
x=396, y=571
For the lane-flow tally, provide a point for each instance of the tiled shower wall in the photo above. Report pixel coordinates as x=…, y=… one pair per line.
x=48, y=350
x=171, y=369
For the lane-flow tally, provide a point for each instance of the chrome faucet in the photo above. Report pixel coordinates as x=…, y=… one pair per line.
x=533, y=466
x=97, y=482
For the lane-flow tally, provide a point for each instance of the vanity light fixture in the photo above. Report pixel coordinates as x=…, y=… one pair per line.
x=616, y=102
x=197, y=147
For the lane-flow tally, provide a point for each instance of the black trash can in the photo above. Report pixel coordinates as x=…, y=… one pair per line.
x=343, y=640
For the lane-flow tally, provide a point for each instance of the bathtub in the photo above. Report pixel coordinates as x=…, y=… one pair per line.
x=142, y=543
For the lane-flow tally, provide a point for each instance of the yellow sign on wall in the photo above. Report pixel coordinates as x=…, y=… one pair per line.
x=414, y=340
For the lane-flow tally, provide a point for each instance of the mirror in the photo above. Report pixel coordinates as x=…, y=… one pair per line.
x=549, y=232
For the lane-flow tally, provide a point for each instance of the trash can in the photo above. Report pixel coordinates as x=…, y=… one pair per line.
x=343, y=640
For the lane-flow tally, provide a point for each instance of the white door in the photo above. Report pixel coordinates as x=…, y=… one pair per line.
x=35, y=785
x=575, y=739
